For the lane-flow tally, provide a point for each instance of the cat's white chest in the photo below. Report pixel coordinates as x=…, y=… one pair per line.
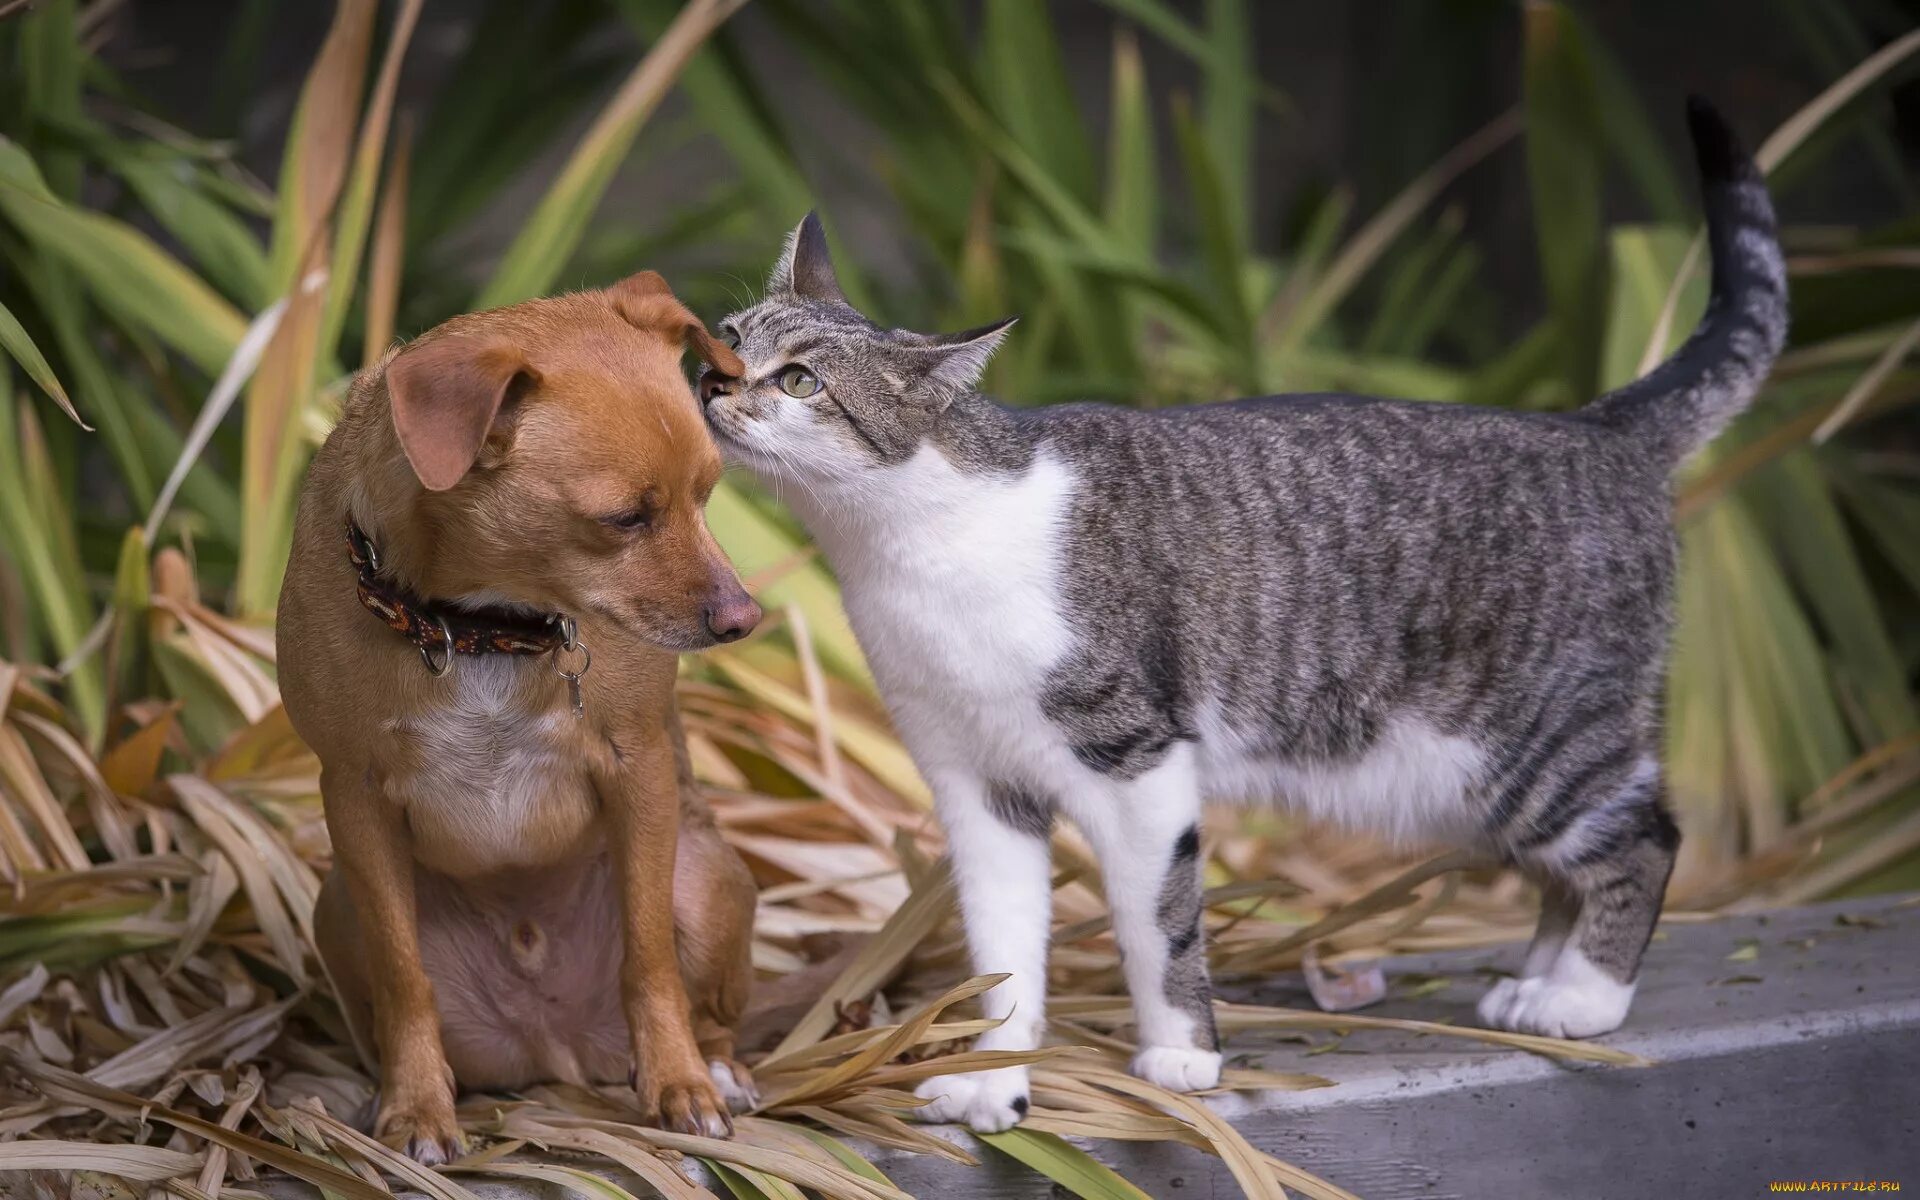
x=958, y=605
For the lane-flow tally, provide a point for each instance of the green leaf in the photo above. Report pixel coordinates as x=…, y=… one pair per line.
x=1227, y=108
x=1631, y=137
x=1800, y=513
x=51, y=60
x=132, y=595
x=548, y=239
x=1565, y=166
x=1889, y=514
x=1133, y=185
x=490, y=118
x=1024, y=81
x=1125, y=269
x=732, y=104
x=173, y=189
x=845, y=1153
x=746, y=1184
x=14, y=338
x=1644, y=261
x=1752, y=717
x=142, y=285
x=1067, y=1165
x=1300, y=311
x=1224, y=253
x=38, y=531
x=207, y=711
x=56, y=295
x=354, y=214
x=1161, y=20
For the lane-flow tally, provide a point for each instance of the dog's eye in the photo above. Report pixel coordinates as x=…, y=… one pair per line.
x=799, y=382
x=632, y=519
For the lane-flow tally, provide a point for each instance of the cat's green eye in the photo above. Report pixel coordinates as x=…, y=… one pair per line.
x=731, y=338
x=799, y=383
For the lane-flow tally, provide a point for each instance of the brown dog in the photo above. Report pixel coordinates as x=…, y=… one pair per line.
x=526, y=886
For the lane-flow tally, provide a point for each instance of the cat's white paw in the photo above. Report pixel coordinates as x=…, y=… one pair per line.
x=1495, y=1005
x=987, y=1101
x=1574, y=1000
x=1178, y=1068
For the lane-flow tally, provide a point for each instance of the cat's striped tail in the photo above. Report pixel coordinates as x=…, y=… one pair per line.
x=1682, y=404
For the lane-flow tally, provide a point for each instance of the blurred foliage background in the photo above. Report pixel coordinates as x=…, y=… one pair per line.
x=199, y=291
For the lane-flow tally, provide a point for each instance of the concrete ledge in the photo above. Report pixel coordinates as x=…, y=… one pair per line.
x=1797, y=1059
x=1799, y=1062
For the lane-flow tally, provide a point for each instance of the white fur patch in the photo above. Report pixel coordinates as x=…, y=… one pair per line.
x=739, y=1096
x=1574, y=999
x=987, y=1101
x=1178, y=1068
x=487, y=771
x=1409, y=786
x=952, y=584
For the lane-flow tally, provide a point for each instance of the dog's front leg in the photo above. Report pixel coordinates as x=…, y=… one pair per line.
x=641, y=797
x=374, y=850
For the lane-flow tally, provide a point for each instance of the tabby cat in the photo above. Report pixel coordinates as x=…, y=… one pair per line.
x=1432, y=621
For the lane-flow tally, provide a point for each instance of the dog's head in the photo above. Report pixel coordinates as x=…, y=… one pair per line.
x=562, y=462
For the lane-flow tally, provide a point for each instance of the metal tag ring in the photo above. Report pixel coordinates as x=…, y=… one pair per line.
x=445, y=666
x=586, y=661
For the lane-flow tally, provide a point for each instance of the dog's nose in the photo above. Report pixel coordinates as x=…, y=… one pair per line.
x=712, y=385
x=731, y=618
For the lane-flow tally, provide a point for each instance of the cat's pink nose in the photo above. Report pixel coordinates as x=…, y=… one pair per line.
x=713, y=385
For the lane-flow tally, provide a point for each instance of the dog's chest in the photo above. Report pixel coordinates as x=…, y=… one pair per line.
x=494, y=777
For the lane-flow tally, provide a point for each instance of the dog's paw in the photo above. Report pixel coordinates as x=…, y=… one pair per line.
x=422, y=1128
x=988, y=1101
x=1573, y=1000
x=1178, y=1068
x=735, y=1083
x=691, y=1106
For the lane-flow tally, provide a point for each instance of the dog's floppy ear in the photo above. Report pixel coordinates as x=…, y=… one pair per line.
x=646, y=302
x=445, y=393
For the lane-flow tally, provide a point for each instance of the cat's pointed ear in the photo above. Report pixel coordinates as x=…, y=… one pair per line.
x=805, y=268
x=959, y=359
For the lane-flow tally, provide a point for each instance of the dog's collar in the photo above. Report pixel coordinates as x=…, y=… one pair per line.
x=433, y=625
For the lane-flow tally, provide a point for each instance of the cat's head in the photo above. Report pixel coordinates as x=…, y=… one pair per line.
x=828, y=395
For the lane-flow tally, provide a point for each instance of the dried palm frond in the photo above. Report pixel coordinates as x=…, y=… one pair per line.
x=164, y=1005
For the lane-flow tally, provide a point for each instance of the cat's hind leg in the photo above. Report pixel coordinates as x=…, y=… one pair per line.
x=1002, y=867
x=1147, y=838
x=1607, y=856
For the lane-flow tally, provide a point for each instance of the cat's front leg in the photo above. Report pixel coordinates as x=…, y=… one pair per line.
x=1002, y=868
x=1147, y=837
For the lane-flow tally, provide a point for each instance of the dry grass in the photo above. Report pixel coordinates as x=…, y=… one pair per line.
x=163, y=1020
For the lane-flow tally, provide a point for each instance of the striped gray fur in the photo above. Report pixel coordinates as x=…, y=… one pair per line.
x=1179, y=914
x=1020, y=808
